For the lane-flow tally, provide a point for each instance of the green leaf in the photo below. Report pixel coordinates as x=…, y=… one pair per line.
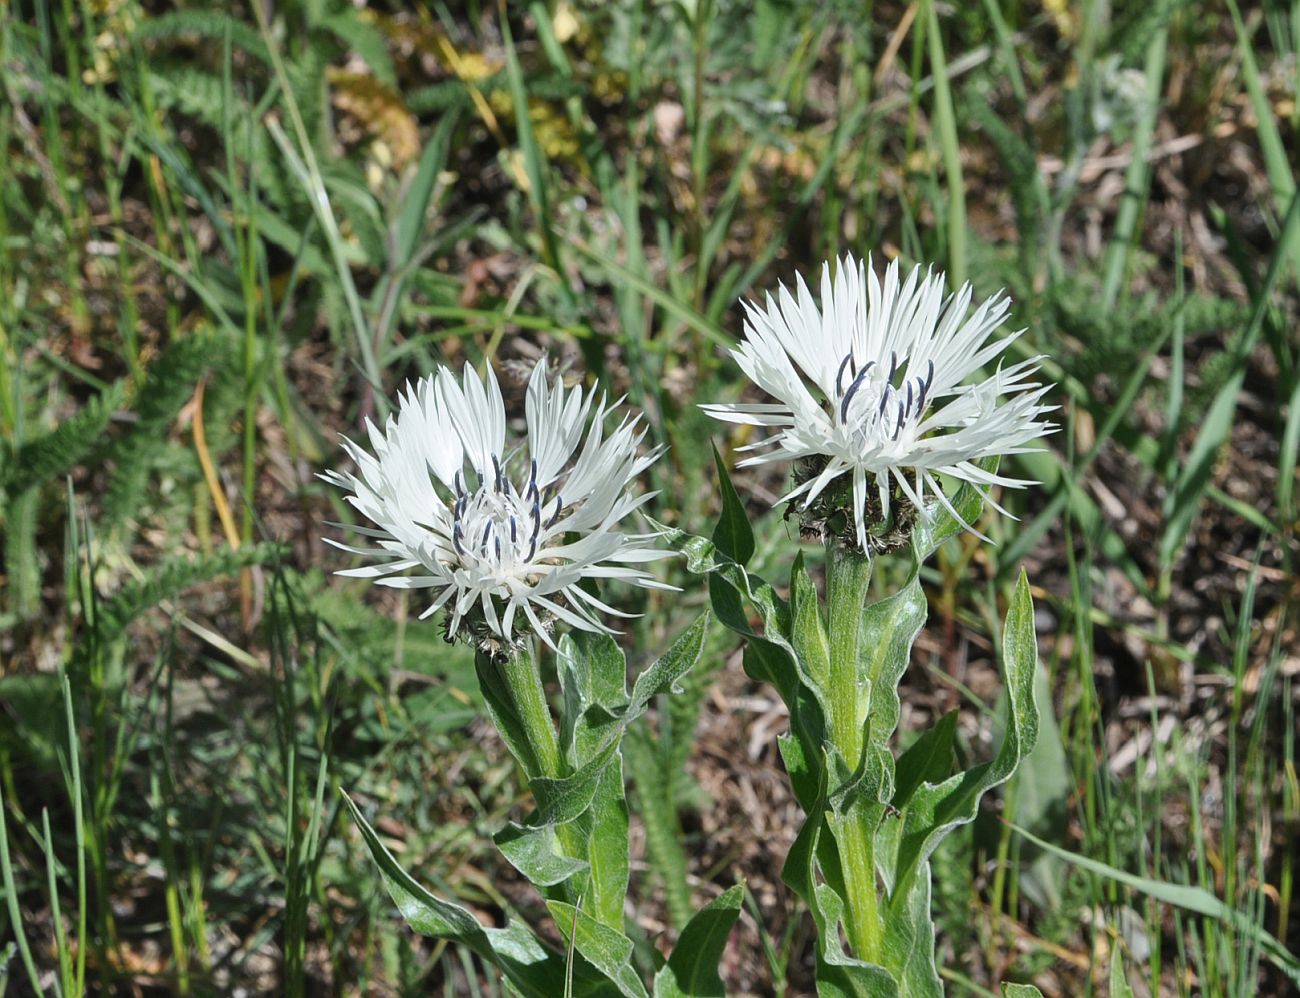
x=1194, y=899
x=692, y=969
x=909, y=948
x=534, y=852
x=530, y=967
x=607, y=848
x=411, y=221
x=365, y=40
x=606, y=949
x=926, y=537
x=560, y=801
x=1024, y=991
x=889, y=629
x=1119, y=986
x=663, y=676
x=45, y=457
x=934, y=811
x=733, y=535
x=593, y=682
x=809, y=631
x=928, y=759
x=170, y=578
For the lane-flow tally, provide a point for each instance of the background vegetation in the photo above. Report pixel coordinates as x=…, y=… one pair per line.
x=231, y=232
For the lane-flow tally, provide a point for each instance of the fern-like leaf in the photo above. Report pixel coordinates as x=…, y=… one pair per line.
x=52, y=454
x=169, y=383
x=211, y=24
x=166, y=580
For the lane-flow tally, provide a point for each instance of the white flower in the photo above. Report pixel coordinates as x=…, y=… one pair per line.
x=503, y=539
x=888, y=400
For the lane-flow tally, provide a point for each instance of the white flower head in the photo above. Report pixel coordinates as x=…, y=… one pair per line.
x=873, y=386
x=503, y=538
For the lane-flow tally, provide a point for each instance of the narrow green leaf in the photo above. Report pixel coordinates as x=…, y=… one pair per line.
x=1194, y=899
x=733, y=535
x=928, y=760
x=411, y=220
x=1022, y=991
x=809, y=632
x=692, y=969
x=937, y=810
x=668, y=669
x=530, y=967
x=1119, y=986
x=606, y=949
x=607, y=849
x=1184, y=500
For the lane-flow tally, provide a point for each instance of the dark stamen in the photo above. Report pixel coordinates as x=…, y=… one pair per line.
x=840, y=373
x=559, y=505
x=925, y=386
x=893, y=366
x=496, y=467
x=514, y=531
x=498, y=540
x=487, y=529
x=853, y=387
x=899, y=425
x=909, y=397
x=884, y=400
x=460, y=489
x=455, y=540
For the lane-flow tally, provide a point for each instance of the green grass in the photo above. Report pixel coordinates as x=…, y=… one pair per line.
x=224, y=241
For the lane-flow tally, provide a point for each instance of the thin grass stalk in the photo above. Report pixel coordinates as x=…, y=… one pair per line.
x=946, y=124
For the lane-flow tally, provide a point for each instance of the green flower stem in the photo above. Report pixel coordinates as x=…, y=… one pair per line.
x=848, y=575
x=524, y=681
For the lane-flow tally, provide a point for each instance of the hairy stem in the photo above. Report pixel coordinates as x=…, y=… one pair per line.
x=524, y=681
x=848, y=575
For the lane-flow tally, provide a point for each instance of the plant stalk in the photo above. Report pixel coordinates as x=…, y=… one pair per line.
x=524, y=681
x=847, y=578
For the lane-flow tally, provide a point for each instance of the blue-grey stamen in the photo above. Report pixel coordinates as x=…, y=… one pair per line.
x=839, y=375
x=884, y=399
x=909, y=397
x=455, y=539
x=925, y=386
x=893, y=367
x=487, y=529
x=514, y=530
x=898, y=426
x=559, y=506
x=853, y=387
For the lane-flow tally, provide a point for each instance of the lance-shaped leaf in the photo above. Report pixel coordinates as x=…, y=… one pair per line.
x=692, y=969
x=733, y=535
x=606, y=949
x=935, y=810
x=535, y=853
x=531, y=968
x=927, y=760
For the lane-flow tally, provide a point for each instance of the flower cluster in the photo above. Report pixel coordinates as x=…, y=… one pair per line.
x=871, y=386
x=872, y=407
x=498, y=534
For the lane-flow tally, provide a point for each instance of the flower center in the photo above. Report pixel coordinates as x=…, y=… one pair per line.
x=872, y=407
x=497, y=528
